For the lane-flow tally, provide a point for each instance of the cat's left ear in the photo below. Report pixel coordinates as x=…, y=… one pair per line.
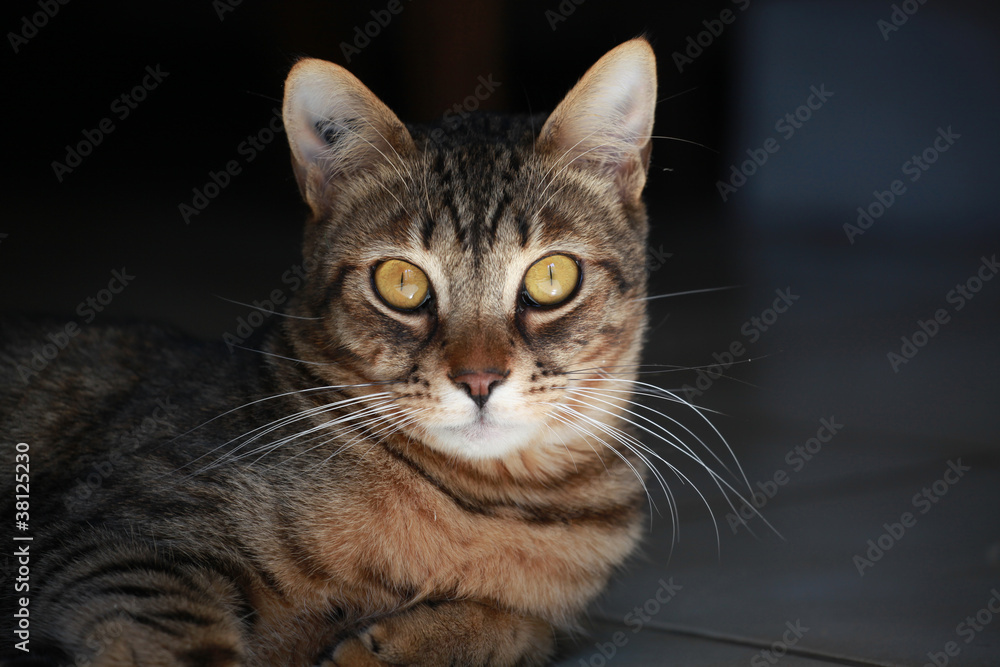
x=605, y=123
x=336, y=128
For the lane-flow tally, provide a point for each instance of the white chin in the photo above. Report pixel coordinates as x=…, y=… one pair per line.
x=480, y=439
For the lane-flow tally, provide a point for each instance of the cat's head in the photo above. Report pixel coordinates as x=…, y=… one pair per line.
x=480, y=271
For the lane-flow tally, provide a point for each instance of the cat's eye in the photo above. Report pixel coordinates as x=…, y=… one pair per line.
x=401, y=284
x=551, y=280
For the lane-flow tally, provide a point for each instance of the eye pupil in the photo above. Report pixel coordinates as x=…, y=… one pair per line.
x=411, y=290
x=551, y=280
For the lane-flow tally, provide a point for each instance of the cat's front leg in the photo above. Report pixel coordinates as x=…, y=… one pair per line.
x=130, y=605
x=198, y=641
x=449, y=633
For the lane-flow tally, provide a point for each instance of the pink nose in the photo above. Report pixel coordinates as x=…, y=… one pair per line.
x=479, y=384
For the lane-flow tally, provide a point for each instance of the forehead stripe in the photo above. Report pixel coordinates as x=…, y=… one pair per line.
x=427, y=228
x=522, y=228
x=497, y=214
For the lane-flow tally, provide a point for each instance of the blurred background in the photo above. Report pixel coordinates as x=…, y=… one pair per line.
x=833, y=162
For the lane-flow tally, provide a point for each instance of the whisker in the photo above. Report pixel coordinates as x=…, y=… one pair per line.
x=700, y=412
x=559, y=159
x=271, y=446
x=565, y=446
x=667, y=368
x=381, y=398
x=595, y=393
x=327, y=438
x=683, y=448
x=594, y=369
x=656, y=473
x=637, y=447
x=715, y=476
x=391, y=428
x=655, y=392
x=587, y=434
x=601, y=426
x=270, y=427
x=278, y=356
x=669, y=395
x=265, y=310
x=564, y=168
x=402, y=163
x=692, y=291
x=331, y=149
x=379, y=416
x=683, y=92
x=686, y=141
x=275, y=396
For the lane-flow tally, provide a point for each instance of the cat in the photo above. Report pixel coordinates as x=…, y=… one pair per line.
x=423, y=461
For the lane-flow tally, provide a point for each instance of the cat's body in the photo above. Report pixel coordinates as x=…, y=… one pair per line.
x=438, y=483
x=305, y=557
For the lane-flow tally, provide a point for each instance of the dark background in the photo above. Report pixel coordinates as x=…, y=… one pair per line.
x=782, y=230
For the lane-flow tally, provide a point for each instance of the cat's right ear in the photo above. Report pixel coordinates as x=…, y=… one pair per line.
x=604, y=125
x=336, y=128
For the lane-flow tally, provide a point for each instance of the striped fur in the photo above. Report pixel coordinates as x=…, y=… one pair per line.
x=340, y=496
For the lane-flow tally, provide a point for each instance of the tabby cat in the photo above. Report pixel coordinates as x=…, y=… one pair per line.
x=422, y=462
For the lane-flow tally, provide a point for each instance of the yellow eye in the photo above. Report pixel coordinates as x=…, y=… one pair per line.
x=401, y=284
x=551, y=280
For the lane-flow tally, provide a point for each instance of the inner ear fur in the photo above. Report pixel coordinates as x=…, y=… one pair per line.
x=336, y=127
x=605, y=123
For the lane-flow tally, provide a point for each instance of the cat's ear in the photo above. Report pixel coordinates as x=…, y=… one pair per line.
x=605, y=122
x=336, y=128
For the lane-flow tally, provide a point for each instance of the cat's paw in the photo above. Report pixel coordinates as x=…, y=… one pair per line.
x=354, y=652
x=393, y=641
x=462, y=633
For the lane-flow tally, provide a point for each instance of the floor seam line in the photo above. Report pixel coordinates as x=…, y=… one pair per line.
x=750, y=642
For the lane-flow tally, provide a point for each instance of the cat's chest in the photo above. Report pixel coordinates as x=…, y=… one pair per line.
x=402, y=539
